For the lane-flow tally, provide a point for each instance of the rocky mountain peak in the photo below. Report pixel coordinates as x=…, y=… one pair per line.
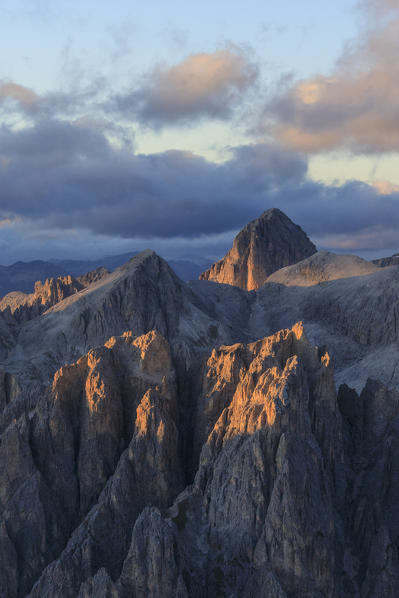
x=163, y=438
x=263, y=246
x=23, y=307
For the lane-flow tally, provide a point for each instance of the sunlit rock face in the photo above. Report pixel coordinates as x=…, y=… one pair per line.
x=285, y=482
x=23, y=307
x=322, y=267
x=160, y=438
x=268, y=470
x=262, y=247
x=112, y=414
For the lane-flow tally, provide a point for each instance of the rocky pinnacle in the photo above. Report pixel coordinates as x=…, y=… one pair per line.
x=265, y=245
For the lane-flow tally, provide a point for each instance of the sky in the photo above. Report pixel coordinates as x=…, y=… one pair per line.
x=172, y=124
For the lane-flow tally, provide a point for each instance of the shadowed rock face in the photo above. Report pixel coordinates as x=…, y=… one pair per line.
x=111, y=414
x=262, y=247
x=287, y=477
x=383, y=262
x=165, y=439
x=93, y=276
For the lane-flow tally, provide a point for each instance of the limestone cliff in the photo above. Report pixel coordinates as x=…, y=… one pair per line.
x=111, y=414
x=262, y=247
x=23, y=307
x=159, y=438
x=93, y=276
x=285, y=500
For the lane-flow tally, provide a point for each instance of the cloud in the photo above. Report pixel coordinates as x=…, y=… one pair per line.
x=373, y=238
x=69, y=175
x=355, y=107
x=385, y=187
x=57, y=176
x=203, y=85
x=379, y=7
x=25, y=105
x=26, y=98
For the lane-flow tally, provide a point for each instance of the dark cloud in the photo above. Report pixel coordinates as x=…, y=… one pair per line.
x=56, y=176
x=203, y=85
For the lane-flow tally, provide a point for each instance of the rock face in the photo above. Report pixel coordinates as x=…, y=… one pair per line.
x=93, y=276
x=265, y=245
x=266, y=406
x=140, y=296
x=21, y=276
x=23, y=307
x=111, y=414
x=287, y=476
x=321, y=267
x=383, y=262
x=159, y=438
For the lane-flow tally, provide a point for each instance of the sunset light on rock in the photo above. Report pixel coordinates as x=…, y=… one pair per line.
x=199, y=299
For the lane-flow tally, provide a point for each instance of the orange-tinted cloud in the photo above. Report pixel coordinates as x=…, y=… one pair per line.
x=385, y=187
x=26, y=97
x=202, y=85
x=356, y=106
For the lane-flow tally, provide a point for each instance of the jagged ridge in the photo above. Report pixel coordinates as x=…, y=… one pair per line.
x=183, y=456
x=277, y=506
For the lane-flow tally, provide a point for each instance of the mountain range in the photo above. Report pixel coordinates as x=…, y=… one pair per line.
x=236, y=435
x=22, y=276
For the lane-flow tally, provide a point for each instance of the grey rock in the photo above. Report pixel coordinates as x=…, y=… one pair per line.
x=161, y=438
x=321, y=267
x=265, y=245
x=384, y=262
x=149, y=569
x=93, y=276
x=24, y=307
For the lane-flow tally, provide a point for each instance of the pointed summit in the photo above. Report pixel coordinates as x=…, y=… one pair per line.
x=265, y=245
